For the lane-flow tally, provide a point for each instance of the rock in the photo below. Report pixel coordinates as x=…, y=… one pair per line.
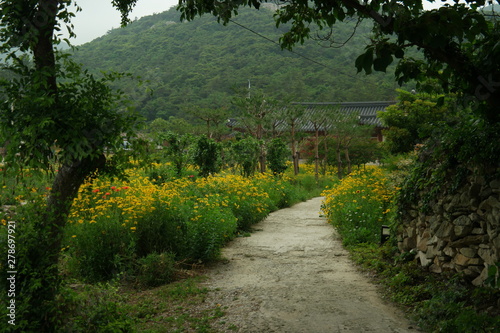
x=486, y=255
x=469, y=240
x=424, y=261
x=488, y=204
x=495, y=184
x=462, y=260
x=462, y=231
x=478, y=281
x=449, y=251
x=422, y=244
x=468, y=252
x=445, y=230
x=478, y=231
x=432, y=252
x=435, y=269
x=462, y=221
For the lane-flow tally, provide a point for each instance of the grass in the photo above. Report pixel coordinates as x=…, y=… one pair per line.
x=436, y=303
x=180, y=306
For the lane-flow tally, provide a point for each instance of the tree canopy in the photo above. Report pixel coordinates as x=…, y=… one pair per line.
x=459, y=43
x=201, y=62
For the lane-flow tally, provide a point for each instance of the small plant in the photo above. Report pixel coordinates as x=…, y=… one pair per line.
x=156, y=269
x=94, y=308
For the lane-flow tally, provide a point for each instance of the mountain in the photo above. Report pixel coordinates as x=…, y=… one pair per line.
x=202, y=62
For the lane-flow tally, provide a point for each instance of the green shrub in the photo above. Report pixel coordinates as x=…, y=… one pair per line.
x=100, y=251
x=94, y=308
x=277, y=156
x=210, y=227
x=163, y=229
x=161, y=174
x=156, y=269
x=207, y=156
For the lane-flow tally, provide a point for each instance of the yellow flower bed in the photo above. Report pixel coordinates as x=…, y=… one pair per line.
x=358, y=206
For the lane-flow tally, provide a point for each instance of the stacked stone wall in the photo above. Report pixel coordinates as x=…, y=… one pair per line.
x=456, y=232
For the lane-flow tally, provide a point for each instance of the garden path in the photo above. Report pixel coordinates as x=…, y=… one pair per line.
x=293, y=276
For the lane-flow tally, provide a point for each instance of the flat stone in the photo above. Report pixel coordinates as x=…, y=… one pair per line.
x=469, y=240
x=486, y=255
x=495, y=184
x=422, y=244
x=449, y=251
x=445, y=230
x=462, y=221
x=462, y=260
x=468, y=252
x=478, y=231
x=424, y=261
x=462, y=231
x=478, y=281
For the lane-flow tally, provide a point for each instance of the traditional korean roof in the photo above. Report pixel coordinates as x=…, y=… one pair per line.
x=367, y=111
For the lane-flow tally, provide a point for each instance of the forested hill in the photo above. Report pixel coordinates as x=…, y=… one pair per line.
x=202, y=62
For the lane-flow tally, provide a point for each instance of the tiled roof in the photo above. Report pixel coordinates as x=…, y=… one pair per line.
x=367, y=111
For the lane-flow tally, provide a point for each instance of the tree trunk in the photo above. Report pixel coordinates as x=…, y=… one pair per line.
x=339, y=162
x=325, y=157
x=348, y=160
x=316, y=155
x=295, y=156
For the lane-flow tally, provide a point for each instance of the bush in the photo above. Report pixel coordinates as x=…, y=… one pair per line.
x=156, y=269
x=277, y=156
x=207, y=156
x=163, y=229
x=37, y=279
x=359, y=205
x=94, y=309
x=101, y=250
x=210, y=227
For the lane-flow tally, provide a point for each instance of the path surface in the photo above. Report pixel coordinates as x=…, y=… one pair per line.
x=293, y=276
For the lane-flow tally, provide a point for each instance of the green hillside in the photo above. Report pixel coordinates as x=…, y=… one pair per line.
x=202, y=63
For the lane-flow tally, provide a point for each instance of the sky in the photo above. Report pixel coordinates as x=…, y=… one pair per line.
x=99, y=16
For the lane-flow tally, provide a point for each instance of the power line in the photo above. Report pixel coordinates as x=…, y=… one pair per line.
x=299, y=54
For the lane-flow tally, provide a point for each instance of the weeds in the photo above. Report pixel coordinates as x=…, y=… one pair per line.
x=436, y=303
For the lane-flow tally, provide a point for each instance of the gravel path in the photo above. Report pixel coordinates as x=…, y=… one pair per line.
x=292, y=275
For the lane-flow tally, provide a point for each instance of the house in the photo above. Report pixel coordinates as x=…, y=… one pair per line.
x=366, y=111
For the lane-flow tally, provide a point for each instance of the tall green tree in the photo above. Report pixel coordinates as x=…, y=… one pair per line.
x=51, y=111
x=254, y=109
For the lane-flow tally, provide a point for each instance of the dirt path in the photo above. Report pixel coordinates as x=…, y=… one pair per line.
x=292, y=275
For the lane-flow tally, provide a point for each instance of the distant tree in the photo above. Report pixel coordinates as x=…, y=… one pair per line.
x=254, y=108
x=278, y=155
x=207, y=156
x=245, y=153
x=292, y=117
x=213, y=119
x=319, y=122
x=177, y=149
x=345, y=129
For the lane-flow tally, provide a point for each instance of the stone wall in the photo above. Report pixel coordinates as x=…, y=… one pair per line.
x=456, y=232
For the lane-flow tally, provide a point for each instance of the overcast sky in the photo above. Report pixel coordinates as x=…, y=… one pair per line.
x=98, y=16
